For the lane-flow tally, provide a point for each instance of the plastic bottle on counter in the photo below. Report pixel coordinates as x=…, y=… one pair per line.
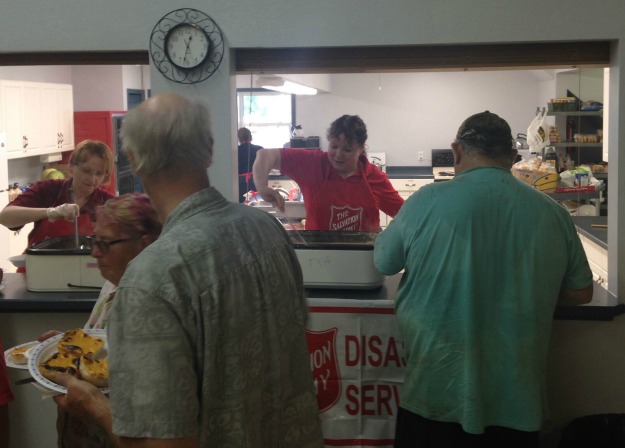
x=14, y=191
x=550, y=154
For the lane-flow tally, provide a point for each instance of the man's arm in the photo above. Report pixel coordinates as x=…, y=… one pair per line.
x=85, y=401
x=573, y=297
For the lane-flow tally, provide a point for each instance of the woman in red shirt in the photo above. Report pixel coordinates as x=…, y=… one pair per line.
x=54, y=204
x=342, y=190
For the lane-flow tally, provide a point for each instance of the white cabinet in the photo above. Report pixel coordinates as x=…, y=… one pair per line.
x=37, y=118
x=4, y=200
x=57, y=117
x=65, y=117
x=597, y=259
x=14, y=106
x=405, y=188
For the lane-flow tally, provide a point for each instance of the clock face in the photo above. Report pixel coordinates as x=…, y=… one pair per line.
x=187, y=46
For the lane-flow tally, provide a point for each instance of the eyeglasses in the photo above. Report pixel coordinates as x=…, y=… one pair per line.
x=105, y=246
x=87, y=172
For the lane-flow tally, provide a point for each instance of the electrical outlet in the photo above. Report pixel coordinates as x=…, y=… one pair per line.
x=420, y=155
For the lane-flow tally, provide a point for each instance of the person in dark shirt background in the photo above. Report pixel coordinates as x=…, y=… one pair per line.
x=247, y=156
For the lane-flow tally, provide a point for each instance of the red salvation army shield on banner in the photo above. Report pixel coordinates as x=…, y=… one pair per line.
x=357, y=360
x=324, y=366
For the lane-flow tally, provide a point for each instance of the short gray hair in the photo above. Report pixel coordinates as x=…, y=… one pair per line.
x=168, y=133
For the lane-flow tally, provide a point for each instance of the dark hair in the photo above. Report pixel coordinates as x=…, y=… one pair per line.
x=488, y=134
x=244, y=135
x=351, y=127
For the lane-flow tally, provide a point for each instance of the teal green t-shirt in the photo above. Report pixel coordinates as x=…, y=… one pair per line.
x=485, y=257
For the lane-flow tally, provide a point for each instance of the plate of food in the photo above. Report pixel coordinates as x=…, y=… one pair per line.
x=16, y=357
x=80, y=353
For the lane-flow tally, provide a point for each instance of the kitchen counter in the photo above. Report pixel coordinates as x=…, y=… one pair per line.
x=597, y=235
x=353, y=332
x=409, y=172
x=15, y=298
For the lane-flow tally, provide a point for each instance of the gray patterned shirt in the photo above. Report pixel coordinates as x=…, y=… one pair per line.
x=206, y=334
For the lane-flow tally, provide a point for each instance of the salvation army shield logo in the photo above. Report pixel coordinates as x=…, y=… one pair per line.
x=345, y=218
x=324, y=366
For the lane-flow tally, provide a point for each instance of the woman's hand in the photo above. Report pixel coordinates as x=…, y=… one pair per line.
x=68, y=212
x=272, y=196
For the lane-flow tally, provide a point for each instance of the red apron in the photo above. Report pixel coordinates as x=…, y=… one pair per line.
x=343, y=205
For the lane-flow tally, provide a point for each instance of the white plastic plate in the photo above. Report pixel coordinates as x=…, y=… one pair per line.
x=48, y=348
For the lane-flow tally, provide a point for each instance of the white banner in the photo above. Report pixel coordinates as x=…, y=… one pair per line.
x=357, y=360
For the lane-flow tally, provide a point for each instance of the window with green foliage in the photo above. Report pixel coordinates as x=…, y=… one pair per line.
x=268, y=115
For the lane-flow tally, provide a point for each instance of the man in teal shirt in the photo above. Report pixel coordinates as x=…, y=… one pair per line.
x=486, y=260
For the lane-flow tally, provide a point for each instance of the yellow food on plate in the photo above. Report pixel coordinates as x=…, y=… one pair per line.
x=94, y=371
x=59, y=363
x=18, y=354
x=77, y=355
x=78, y=343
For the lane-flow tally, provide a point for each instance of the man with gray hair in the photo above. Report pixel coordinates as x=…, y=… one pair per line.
x=206, y=339
x=487, y=258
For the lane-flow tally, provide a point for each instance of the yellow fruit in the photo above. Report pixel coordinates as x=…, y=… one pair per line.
x=547, y=183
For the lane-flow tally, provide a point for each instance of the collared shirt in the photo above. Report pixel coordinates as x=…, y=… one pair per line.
x=485, y=257
x=206, y=334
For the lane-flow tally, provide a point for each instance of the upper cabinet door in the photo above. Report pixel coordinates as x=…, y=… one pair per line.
x=65, y=117
x=37, y=118
x=11, y=117
x=49, y=126
x=31, y=113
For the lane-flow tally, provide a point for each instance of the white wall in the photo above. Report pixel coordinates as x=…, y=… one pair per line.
x=410, y=112
x=98, y=87
x=134, y=77
x=61, y=74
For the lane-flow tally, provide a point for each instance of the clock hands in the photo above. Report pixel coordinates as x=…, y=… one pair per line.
x=187, y=49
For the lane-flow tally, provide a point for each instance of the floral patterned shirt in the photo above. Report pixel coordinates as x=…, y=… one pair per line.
x=206, y=335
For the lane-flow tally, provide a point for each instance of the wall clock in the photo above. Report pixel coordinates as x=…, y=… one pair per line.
x=186, y=46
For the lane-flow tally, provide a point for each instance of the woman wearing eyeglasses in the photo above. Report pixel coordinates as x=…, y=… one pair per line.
x=54, y=204
x=125, y=225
